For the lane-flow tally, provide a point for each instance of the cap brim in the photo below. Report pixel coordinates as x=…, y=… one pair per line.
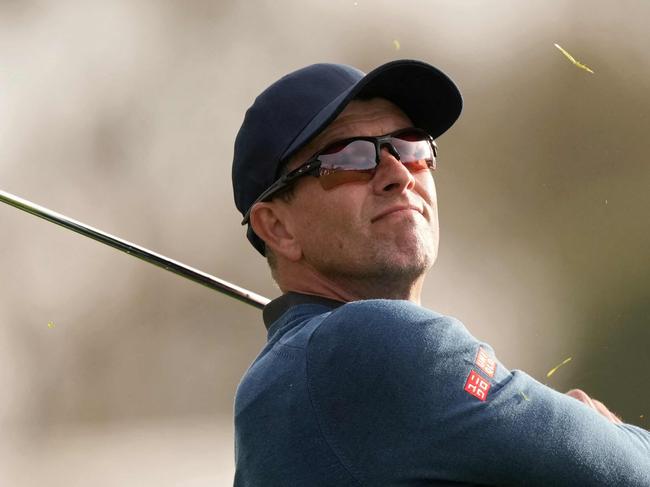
x=429, y=98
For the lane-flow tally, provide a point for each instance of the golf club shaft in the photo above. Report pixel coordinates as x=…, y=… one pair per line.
x=136, y=251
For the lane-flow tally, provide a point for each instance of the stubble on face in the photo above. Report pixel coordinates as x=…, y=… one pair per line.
x=380, y=263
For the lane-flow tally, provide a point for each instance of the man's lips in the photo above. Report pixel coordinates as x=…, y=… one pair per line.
x=395, y=209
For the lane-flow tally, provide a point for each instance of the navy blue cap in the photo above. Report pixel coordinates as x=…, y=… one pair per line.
x=300, y=105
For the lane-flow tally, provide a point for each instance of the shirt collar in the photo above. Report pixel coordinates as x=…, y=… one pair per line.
x=281, y=305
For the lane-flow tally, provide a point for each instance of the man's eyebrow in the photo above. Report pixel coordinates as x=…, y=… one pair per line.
x=327, y=140
x=321, y=145
x=326, y=143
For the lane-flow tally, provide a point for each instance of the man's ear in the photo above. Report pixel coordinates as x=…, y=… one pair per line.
x=272, y=223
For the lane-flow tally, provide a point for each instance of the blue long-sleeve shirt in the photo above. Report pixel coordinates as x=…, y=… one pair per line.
x=385, y=392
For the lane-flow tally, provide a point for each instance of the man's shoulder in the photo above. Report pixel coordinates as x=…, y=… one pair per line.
x=375, y=316
x=389, y=308
x=380, y=324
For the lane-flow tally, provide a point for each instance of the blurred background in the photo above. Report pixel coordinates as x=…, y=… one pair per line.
x=123, y=114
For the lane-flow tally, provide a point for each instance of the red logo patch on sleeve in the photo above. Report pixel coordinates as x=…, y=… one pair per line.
x=477, y=386
x=486, y=363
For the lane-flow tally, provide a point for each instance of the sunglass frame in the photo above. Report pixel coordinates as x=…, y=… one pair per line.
x=312, y=165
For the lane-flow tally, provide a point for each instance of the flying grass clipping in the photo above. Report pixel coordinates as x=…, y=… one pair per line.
x=554, y=369
x=573, y=60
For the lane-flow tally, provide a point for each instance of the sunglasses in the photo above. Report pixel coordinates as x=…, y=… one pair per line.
x=356, y=159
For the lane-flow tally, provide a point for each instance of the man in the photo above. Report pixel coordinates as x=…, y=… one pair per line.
x=358, y=384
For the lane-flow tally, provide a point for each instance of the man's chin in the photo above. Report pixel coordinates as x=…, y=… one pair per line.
x=415, y=249
x=405, y=262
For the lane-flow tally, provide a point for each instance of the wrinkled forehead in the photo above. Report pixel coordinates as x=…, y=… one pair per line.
x=376, y=116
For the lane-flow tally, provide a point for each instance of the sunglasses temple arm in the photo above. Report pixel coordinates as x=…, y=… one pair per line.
x=268, y=191
x=134, y=250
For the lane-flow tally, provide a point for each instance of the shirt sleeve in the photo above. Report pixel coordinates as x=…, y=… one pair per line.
x=405, y=396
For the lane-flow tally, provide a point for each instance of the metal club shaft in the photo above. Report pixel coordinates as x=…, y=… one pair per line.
x=137, y=251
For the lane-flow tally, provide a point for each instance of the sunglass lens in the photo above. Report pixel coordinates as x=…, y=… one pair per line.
x=346, y=163
x=414, y=150
x=355, y=160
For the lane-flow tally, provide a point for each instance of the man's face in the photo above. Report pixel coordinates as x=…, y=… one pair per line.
x=383, y=229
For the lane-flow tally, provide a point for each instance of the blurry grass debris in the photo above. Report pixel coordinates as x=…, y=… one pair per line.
x=554, y=369
x=524, y=395
x=396, y=44
x=51, y=325
x=573, y=60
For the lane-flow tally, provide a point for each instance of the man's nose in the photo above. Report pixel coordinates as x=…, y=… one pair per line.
x=391, y=174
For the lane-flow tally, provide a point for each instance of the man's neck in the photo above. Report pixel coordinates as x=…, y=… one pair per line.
x=307, y=280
